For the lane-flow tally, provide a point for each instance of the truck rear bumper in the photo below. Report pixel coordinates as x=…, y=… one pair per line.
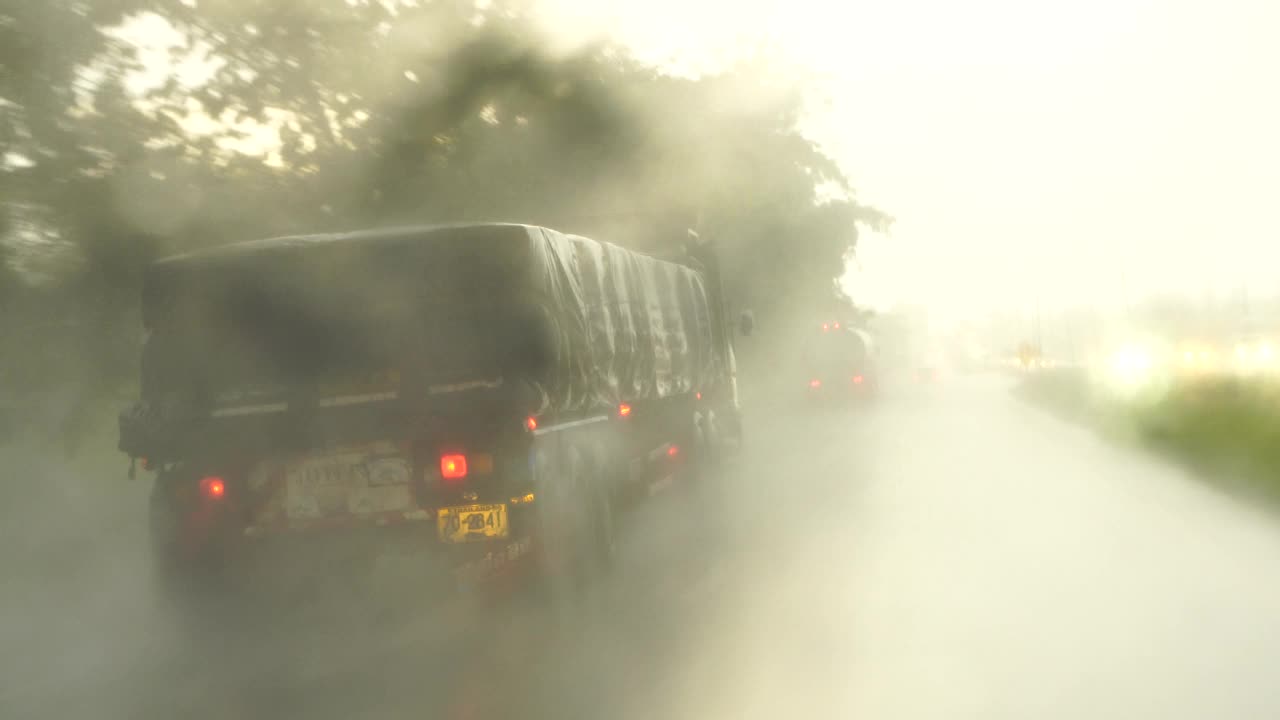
x=353, y=569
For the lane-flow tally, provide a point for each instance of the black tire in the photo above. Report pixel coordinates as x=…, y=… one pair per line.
x=708, y=447
x=604, y=524
x=571, y=582
x=192, y=586
x=732, y=427
x=179, y=584
x=560, y=547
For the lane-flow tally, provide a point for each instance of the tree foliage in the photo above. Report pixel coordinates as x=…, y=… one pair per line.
x=280, y=116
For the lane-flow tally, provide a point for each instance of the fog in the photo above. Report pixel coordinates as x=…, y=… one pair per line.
x=1048, y=488
x=1082, y=153
x=954, y=554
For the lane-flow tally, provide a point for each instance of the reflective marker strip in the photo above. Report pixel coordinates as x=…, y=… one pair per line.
x=250, y=410
x=392, y=517
x=468, y=385
x=661, y=484
x=659, y=452
x=342, y=400
x=570, y=424
x=339, y=401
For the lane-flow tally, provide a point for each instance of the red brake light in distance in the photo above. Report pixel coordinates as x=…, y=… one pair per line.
x=213, y=488
x=453, y=467
x=857, y=379
x=673, y=450
x=697, y=396
x=836, y=326
x=815, y=383
x=624, y=410
x=825, y=327
x=531, y=423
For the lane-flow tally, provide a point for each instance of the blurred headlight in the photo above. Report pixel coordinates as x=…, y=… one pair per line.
x=1132, y=360
x=1197, y=358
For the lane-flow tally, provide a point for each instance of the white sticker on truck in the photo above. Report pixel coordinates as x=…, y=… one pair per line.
x=355, y=481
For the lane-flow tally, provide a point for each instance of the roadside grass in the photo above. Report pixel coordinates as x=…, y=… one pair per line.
x=1226, y=429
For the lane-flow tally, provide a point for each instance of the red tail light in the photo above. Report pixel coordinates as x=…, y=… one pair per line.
x=453, y=467
x=624, y=410
x=825, y=327
x=836, y=326
x=673, y=450
x=697, y=396
x=857, y=379
x=815, y=383
x=213, y=488
x=531, y=423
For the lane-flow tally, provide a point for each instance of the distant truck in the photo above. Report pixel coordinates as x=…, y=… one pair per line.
x=841, y=364
x=470, y=393
x=1031, y=357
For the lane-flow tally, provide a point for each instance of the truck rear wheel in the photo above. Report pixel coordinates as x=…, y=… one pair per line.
x=710, y=435
x=604, y=525
x=577, y=528
x=189, y=575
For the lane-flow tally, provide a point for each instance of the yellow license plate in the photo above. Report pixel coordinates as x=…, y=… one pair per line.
x=472, y=522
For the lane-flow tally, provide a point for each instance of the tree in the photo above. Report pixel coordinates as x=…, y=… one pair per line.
x=309, y=115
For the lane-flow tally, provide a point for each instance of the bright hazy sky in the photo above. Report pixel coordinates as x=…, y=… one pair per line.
x=1027, y=145
x=1062, y=149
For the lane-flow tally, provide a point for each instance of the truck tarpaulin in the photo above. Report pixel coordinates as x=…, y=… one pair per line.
x=558, y=323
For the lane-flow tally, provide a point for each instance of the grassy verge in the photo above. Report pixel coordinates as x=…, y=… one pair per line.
x=1228, y=429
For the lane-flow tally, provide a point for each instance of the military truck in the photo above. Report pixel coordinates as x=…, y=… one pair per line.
x=480, y=396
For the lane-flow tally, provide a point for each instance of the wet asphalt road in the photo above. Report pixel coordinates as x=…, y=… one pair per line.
x=949, y=553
